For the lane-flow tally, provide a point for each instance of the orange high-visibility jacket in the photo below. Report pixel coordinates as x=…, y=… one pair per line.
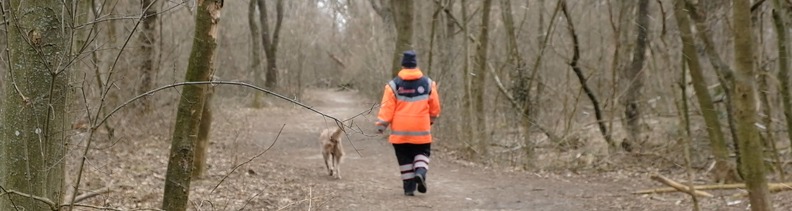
x=409, y=106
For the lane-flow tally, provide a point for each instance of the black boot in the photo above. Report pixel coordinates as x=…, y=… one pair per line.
x=409, y=187
x=420, y=177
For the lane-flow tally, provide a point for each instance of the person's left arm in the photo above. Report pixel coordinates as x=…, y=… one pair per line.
x=434, y=103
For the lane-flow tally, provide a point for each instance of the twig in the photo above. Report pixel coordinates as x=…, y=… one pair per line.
x=8, y=57
x=99, y=110
x=772, y=186
x=212, y=83
x=37, y=198
x=366, y=112
x=2, y=192
x=517, y=105
x=310, y=197
x=337, y=121
x=248, y=200
x=343, y=128
x=291, y=204
x=248, y=161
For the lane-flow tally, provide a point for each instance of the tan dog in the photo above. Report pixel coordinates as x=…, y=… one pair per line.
x=332, y=151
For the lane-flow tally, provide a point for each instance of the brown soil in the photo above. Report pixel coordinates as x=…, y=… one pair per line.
x=291, y=175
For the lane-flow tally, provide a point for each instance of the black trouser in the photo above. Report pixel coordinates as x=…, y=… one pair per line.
x=410, y=158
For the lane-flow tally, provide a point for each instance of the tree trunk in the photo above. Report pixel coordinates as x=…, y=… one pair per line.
x=622, y=38
x=467, y=108
x=520, y=88
x=384, y=10
x=34, y=105
x=781, y=22
x=255, y=66
x=479, y=79
x=191, y=103
x=723, y=71
x=724, y=168
x=448, y=40
x=745, y=108
x=147, y=38
x=433, y=34
x=202, y=144
x=270, y=40
x=404, y=10
x=634, y=77
x=685, y=115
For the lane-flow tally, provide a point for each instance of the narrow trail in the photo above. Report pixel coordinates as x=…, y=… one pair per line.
x=371, y=180
x=243, y=175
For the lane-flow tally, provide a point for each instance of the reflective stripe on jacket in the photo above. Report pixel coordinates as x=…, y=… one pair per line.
x=409, y=105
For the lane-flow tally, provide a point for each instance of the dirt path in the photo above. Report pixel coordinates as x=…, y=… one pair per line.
x=243, y=175
x=371, y=181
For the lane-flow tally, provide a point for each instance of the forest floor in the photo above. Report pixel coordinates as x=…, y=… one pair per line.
x=244, y=175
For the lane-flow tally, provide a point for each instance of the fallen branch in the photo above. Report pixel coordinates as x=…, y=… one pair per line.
x=774, y=187
x=93, y=193
x=680, y=187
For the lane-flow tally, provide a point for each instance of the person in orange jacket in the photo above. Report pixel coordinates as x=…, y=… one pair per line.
x=409, y=107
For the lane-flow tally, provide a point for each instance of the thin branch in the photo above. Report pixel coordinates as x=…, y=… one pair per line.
x=212, y=83
x=756, y=5
x=248, y=161
x=517, y=105
x=99, y=110
x=8, y=57
x=37, y=198
x=582, y=78
x=456, y=21
x=2, y=192
x=545, y=42
x=366, y=112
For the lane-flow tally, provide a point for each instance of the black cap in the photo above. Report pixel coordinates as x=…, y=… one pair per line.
x=409, y=60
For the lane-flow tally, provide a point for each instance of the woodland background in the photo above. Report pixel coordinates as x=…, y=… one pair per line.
x=586, y=86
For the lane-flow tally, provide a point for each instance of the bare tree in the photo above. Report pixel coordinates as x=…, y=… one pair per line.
x=34, y=106
x=722, y=70
x=521, y=86
x=467, y=99
x=270, y=40
x=255, y=66
x=780, y=18
x=724, y=169
x=751, y=148
x=147, y=38
x=202, y=142
x=480, y=77
x=403, y=10
x=582, y=78
x=191, y=103
x=635, y=77
x=383, y=9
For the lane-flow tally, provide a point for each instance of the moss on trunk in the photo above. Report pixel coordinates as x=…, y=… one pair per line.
x=33, y=114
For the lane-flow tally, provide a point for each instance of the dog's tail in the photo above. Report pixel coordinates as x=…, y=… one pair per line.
x=337, y=134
